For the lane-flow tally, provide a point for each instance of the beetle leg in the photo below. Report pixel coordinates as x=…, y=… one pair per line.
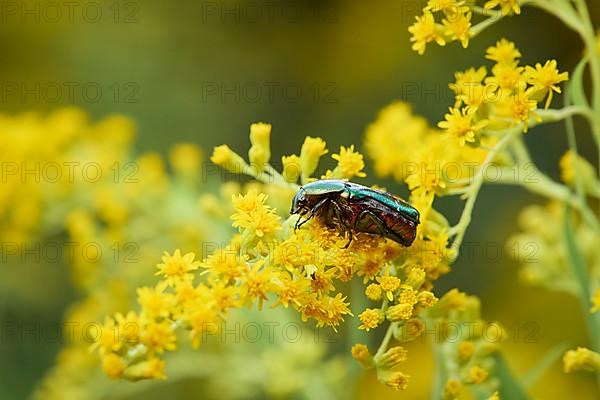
x=313, y=212
x=342, y=222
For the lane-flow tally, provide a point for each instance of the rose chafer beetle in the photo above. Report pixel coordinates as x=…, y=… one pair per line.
x=350, y=207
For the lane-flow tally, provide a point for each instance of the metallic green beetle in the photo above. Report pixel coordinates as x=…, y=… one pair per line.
x=351, y=207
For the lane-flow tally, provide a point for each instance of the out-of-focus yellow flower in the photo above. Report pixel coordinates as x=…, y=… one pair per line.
x=152, y=368
x=465, y=350
x=573, y=167
x=545, y=79
x=350, y=164
x=452, y=389
x=424, y=31
x=506, y=6
x=477, y=374
x=158, y=337
x=581, y=359
x=458, y=27
x=113, y=365
x=186, y=158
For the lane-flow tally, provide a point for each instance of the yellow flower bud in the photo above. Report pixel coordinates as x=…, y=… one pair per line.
x=399, y=312
x=391, y=358
x=361, y=353
x=226, y=158
x=409, y=330
x=260, y=135
x=416, y=278
x=311, y=152
x=291, y=168
x=395, y=380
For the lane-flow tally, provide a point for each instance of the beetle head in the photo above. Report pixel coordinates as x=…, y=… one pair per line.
x=299, y=203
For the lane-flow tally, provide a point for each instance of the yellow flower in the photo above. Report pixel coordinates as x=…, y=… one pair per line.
x=373, y=291
x=546, y=78
x=350, y=164
x=518, y=107
x=389, y=284
x=458, y=27
x=310, y=153
x=361, y=353
x=257, y=283
x=477, y=374
x=464, y=81
x=408, y=296
x=176, y=268
x=505, y=76
x=581, y=359
x=504, y=52
x=155, y=302
x=424, y=31
x=460, y=124
x=253, y=216
x=113, y=365
x=226, y=158
x=370, y=318
x=506, y=5
x=158, y=337
x=494, y=396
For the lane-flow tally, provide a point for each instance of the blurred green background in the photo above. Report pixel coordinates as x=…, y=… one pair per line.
x=160, y=62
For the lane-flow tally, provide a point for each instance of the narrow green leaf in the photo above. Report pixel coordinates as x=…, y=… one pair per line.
x=580, y=273
x=576, y=87
x=546, y=362
x=576, y=260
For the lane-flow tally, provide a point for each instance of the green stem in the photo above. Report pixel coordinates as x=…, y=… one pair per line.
x=465, y=219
